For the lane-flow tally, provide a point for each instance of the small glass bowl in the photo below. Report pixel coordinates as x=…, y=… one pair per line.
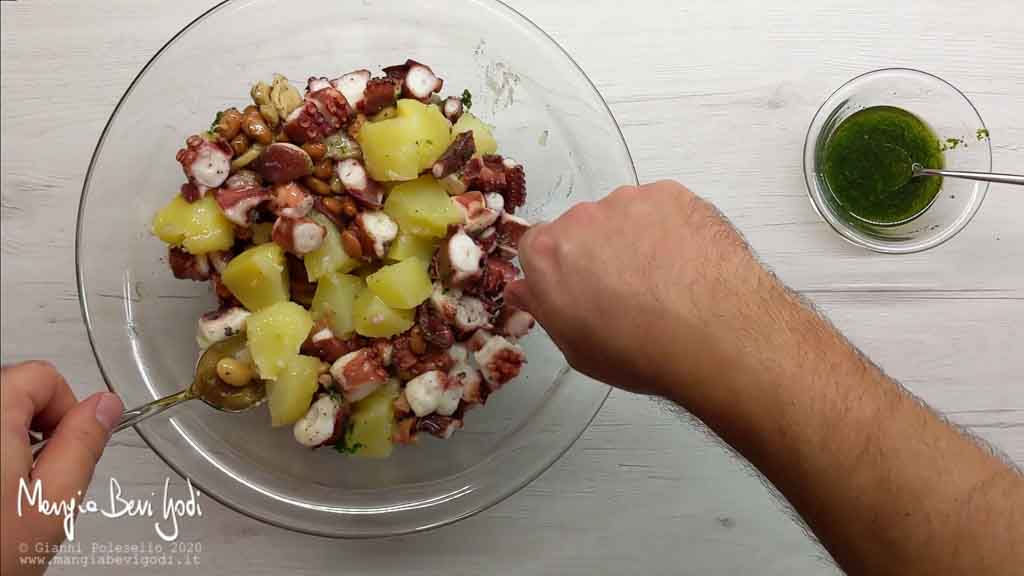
x=948, y=113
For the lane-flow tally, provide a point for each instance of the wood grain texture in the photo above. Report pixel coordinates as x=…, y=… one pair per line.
x=717, y=94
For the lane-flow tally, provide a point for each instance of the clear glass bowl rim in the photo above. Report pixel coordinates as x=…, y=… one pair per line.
x=84, y=306
x=839, y=227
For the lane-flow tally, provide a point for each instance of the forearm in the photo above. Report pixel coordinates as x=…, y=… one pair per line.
x=886, y=485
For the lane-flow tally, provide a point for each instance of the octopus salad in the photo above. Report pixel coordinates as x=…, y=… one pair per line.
x=358, y=236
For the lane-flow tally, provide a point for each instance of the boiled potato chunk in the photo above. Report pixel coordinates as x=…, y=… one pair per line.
x=422, y=208
x=376, y=319
x=482, y=136
x=335, y=295
x=199, y=226
x=372, y=424
x=275, y=335
x=330, y=256
x=290, y=395
x=411, y=246
x=401, y=147
x=258, y=277
x=404, y=285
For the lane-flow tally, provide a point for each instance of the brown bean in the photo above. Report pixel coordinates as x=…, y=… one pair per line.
x=336, y=185
x=234, y=372
x=416, y=342
x=239, y=144
x=333, y=205
x=324, y=168
x=229, y=123
x=350, y=242
x=317, y=186
x=316, y=151
x=348, y=207
x=256, y=128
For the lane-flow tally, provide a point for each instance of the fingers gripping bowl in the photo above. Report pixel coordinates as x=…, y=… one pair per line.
x=544, y=113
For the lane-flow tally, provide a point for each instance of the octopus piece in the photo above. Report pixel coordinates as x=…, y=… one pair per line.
x=282, y=162
x=375, y=231
x=498, y=272
x=424, y=392
x=243, y=179
x=219, y=260
x=434, y=327
x=380, y=93
x=513, y=322
x=357, y=182
x=510, y=230
x=471, y=314
x=299, y=236
x=358, y=374
x=224, y=295
x=476, y=214
x=452, y=108
x=220, y=325
x=500, y=361
x=384, y=350
x=456, y=156
x=478, y=340
x=440, y=426
x=187, y=266
x=190, y=192
x=458, y=260
x=291, y=201
x=492, y=173
x=488, y=240
x=353, y=86
x=322, y=113
x=418, y=80
x=239, y=204
x=320, y=422
x=315, y=84
x=323, y=344
x=206, y=163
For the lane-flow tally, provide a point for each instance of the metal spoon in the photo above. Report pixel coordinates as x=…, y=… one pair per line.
x=917, y=170
x=206, y=386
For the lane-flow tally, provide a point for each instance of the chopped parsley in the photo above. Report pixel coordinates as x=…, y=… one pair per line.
x=981, y=134
x=343, y=446
x=467, y=99
x=216, y=121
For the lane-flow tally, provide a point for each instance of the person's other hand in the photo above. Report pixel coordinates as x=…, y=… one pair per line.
x=36, y=397
x=643, y=289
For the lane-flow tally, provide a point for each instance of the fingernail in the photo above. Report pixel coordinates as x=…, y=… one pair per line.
x=108, y=410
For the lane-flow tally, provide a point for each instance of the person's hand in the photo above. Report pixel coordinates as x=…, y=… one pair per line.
x=36, y=397
x=642, y=289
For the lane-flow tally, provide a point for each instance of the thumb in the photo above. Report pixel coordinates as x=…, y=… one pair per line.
x=518, y=295
x=66, y=464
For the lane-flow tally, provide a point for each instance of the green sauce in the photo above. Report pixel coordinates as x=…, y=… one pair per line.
x=867, y=162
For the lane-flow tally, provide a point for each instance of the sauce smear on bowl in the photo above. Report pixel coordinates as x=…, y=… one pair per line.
x=868, y=160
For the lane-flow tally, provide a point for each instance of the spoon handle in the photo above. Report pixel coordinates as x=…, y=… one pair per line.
x=132, y=417
x=983, y=176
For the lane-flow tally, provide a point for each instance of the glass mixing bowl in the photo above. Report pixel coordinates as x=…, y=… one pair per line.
x=949, y=114
x=141, y=321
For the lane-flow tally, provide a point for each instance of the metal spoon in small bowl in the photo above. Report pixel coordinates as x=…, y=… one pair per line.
x=206, y=386
x=906, y=169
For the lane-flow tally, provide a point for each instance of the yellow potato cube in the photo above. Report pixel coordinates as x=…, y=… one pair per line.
x=373, y=422
x=376, y=319
x=404, y=285
x=482, y=136
x=199, y=226
x=275, y=335
x=422, y=208
x=330, y=256
x=258, y=277
x=335, y=295
x=401, y=147
x=411, y=246
x=290, y=395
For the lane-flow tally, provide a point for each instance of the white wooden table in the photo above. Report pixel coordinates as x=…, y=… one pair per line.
x=715, y=93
